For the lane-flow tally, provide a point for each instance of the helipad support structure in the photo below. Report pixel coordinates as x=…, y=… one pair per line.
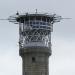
x=35, y=41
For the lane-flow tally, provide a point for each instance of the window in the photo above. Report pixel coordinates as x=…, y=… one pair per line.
x=44, y=23
x=30, y=22
x=33, y=59
x=38, y=18
x=37, y=22
x=33, y=22
x=44, y=19
x=41, y=23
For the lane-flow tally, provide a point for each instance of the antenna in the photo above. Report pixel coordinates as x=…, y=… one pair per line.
x=58, y=18
x=54, y=18
x=36, y=11
x=66, y=18
x=3, y=19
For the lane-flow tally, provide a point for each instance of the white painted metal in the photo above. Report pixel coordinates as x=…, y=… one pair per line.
x=34, y=32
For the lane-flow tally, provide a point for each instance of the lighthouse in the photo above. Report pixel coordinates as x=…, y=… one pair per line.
x=35, y=40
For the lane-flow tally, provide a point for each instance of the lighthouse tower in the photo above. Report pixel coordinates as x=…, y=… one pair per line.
x=35, y=41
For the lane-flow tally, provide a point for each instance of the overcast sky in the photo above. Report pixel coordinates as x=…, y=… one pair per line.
x=62, y=61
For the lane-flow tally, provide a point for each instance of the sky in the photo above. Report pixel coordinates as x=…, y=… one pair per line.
x=62, y=61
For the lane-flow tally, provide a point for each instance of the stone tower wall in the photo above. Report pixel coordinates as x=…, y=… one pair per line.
x=35, y=61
